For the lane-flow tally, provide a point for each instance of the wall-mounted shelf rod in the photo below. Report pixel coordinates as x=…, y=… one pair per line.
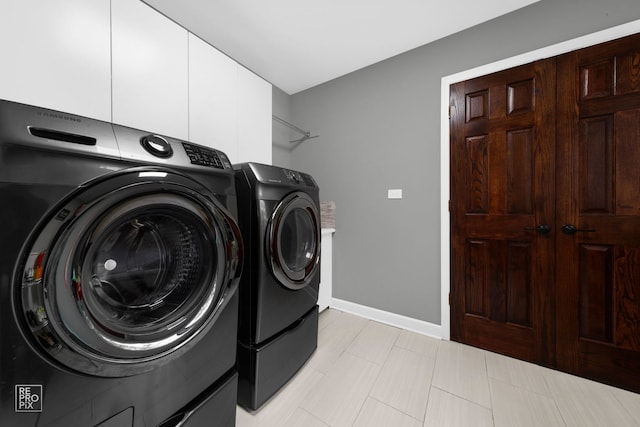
x=305, y=135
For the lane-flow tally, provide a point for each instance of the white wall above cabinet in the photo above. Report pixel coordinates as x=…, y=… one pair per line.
x=149, y=69
x=57, y=55
x=213, y=98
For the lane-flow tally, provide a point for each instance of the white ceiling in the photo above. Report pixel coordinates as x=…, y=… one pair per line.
x=298, y=44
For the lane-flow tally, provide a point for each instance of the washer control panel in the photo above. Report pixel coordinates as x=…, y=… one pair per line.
x=205, y=157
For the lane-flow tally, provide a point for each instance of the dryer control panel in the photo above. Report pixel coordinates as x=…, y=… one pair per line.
x=293, y=176
x=269, y=174
x=299, y=178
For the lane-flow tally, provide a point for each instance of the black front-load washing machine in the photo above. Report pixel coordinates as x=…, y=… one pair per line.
x=278, y=327
x=120, y=259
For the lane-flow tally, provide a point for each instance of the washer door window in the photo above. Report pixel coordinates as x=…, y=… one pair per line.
x=294, y=240
x=130, y=272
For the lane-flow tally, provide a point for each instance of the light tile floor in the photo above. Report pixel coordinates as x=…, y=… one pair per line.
x=368, y=374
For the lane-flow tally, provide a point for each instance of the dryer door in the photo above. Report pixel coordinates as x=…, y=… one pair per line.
x=128, y=272
x=293, y=240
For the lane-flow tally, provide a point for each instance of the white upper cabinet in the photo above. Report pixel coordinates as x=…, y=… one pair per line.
x=57, y=55
x=254, y=118
x=213, y=98
x=149, y=70
x=122, y=61
x=229, y=106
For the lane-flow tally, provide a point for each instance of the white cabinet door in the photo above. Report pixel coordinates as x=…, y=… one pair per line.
x=150, y=70
x=229, y=106
x=57, y=55
x=254, y=118
x=213, y=98
x=325, y=290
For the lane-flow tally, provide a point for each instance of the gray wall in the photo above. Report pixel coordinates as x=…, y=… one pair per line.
x=379, y=128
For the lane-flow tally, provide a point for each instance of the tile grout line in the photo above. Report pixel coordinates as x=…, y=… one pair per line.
x=396, y=409
x=493, y=409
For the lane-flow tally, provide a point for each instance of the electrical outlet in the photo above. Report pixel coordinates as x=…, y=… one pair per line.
x=395, y=193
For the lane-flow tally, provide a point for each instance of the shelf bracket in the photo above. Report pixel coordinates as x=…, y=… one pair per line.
x=305, y=134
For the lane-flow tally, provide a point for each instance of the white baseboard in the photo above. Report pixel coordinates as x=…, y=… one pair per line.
x=392, y=319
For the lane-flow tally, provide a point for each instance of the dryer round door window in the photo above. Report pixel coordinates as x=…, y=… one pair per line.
x=294, y=240
x=129, y=272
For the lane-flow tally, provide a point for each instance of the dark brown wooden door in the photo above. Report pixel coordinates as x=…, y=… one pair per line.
x=598, y=270
x=502, y=201
x=555, y=143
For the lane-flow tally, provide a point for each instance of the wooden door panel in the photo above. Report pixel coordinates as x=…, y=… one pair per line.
x=627, y=162
x=498, y=296
x=519, y=301
x=614, y=73
x=477, y=154
x=596, y=164
x=498, y=281
x=477, y=259
x=595, y=266
x=608, y=295
x=519, y=170
x=627, y=298
x=599, y=171
x=502, y=169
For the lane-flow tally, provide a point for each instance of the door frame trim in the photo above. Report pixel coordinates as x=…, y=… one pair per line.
x=445, y=223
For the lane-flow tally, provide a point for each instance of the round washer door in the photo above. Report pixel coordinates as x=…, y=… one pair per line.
x=129, y=272
x=293, y=240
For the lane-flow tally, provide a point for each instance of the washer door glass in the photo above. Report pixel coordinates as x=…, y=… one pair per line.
x=142, y=265
x=294, y=236
x=130, y=272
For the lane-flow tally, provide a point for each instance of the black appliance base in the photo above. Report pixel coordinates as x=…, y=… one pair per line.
x=216, y=407
x=265, y=367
